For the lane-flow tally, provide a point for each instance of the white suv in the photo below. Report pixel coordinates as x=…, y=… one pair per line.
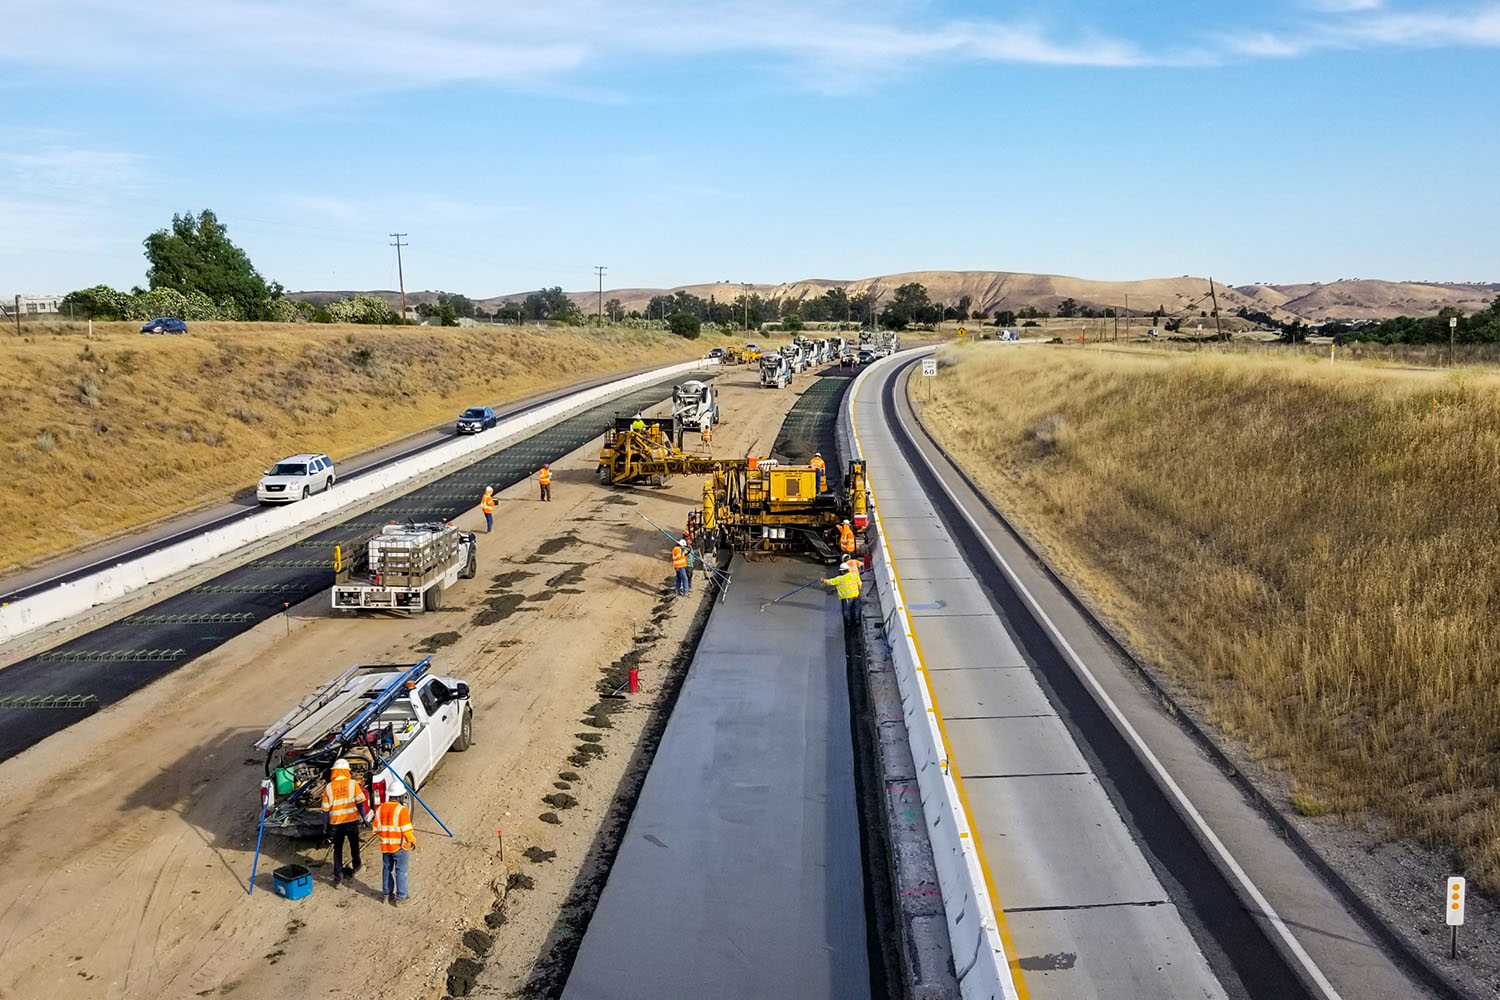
x=295, y=478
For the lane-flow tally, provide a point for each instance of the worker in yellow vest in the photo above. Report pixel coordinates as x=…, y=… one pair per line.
x=822, y=467
x=487, y=504
x=846, y=585
x=545, y=478
x=846, y=539
x=393, y=827
x=680, y=565
x=344, y=804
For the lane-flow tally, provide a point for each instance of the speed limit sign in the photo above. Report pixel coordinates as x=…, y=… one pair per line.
x=929, y=366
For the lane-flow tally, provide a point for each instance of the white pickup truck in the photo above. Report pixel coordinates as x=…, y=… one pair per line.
x=393, y=724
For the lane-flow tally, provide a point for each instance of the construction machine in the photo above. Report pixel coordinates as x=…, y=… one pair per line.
x=640, y=450
x=762, y=506
x=733, y=356
x=695, y=405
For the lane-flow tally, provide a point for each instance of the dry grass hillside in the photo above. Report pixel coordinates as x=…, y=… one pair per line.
x=101, y=434
x=1307, y=550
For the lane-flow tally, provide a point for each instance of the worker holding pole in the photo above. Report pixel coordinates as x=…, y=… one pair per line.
x=487, y=505
x=680, y=565
x=393, y=827
x=545, y=478
x=846, y=585
x=345, y=804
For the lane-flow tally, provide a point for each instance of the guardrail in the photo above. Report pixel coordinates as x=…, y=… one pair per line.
x=75, y=597
x=974, y=933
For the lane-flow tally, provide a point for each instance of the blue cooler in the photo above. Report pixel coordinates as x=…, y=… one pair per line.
x=292, y=881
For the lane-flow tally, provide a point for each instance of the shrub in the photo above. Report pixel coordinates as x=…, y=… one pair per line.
x=44, y=442
x=685, y=325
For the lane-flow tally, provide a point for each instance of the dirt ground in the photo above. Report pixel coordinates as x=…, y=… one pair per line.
x=129, y=838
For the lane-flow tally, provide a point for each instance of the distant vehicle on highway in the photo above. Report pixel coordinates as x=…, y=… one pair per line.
x=164, y=324
x=476, y=419
x=295, y=478
x=716, y=353
x=864, y=357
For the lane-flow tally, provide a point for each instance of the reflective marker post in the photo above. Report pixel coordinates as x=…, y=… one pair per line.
x=1454, y=909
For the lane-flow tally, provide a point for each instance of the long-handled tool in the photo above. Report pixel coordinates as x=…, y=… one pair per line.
x=789, y=593
x=414, y=794
x=264, y=811
x=673, y=538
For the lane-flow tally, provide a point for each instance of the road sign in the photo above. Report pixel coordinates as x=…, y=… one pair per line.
x=962, y=332
x=929, y=366
x=1455, y=901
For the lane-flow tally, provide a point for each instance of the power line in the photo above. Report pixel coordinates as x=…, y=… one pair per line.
x=400, y=275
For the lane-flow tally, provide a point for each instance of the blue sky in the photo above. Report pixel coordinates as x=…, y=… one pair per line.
x=520, y=144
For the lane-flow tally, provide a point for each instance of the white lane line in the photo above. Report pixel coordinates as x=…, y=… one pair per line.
x=1241, y=876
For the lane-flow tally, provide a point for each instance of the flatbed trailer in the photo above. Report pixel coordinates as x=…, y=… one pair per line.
x=405, y=567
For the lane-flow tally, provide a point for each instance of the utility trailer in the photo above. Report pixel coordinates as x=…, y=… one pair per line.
x=405, y=567
x=394, y=724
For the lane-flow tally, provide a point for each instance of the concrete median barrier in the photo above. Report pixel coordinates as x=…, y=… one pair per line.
x=979, y=958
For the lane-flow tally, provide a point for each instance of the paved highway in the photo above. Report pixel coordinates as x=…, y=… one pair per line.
x=1123, y=861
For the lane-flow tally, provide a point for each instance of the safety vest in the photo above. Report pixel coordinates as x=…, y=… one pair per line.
x=679, y=557
x=847, y=584
x=638, y=425
x=819, y=464
x=393, y=827
x=343, y=800
x=846, y=538
x=708, y=434
x=545, y=477
x=487, y=505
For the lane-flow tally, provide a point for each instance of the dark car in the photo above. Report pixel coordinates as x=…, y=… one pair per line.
x=164, y=324
x=476, y=419
x=865, y=357
x=717, y=352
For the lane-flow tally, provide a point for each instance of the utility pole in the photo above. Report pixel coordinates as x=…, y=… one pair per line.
x=1218, y=327
x=1452, y=330
x=599, y=270
x=1127, y=315
x=746, y=286
x=400, y=275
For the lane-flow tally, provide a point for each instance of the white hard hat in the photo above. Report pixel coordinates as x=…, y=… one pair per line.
x=489, y=489
x=846, y=520
x=341, y=765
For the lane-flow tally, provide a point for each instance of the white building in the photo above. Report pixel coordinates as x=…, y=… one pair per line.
x=37, y=305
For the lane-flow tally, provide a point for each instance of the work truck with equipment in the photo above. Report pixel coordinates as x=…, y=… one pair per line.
x=393, y=724
x=775, y=371
x=695, y=405
x=403, y=567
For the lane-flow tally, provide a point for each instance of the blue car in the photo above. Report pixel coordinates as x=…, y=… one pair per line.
x=476, y=419
x=164, y=324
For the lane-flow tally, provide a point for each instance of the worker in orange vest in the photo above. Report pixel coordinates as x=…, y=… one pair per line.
x=344, y=804
x=393, y=827
x=545, y=478
x=846, y=539
x=487, y=504
x=818, y=463
x=707, y=432
x=680, y=564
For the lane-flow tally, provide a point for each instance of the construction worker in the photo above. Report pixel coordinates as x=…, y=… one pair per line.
x=846, y=539
x=545, y=478
x=345, y=804
x=707, y=432
x=487, y=504
x=846, y=585
x=393, y=827
x=680, y=565
x=818, y=463
x=638, y=424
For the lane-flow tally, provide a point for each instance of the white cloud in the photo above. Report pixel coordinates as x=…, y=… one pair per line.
x=290, y=49
x=1363, y=24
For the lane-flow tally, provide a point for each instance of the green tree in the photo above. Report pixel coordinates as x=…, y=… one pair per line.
x=685, y=324
x=461, y=305
x=98, y=302
x=793, y=322
x=196, y=255
x=1068, y=308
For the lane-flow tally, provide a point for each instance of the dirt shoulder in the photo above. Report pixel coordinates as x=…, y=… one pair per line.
x=130, y=836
